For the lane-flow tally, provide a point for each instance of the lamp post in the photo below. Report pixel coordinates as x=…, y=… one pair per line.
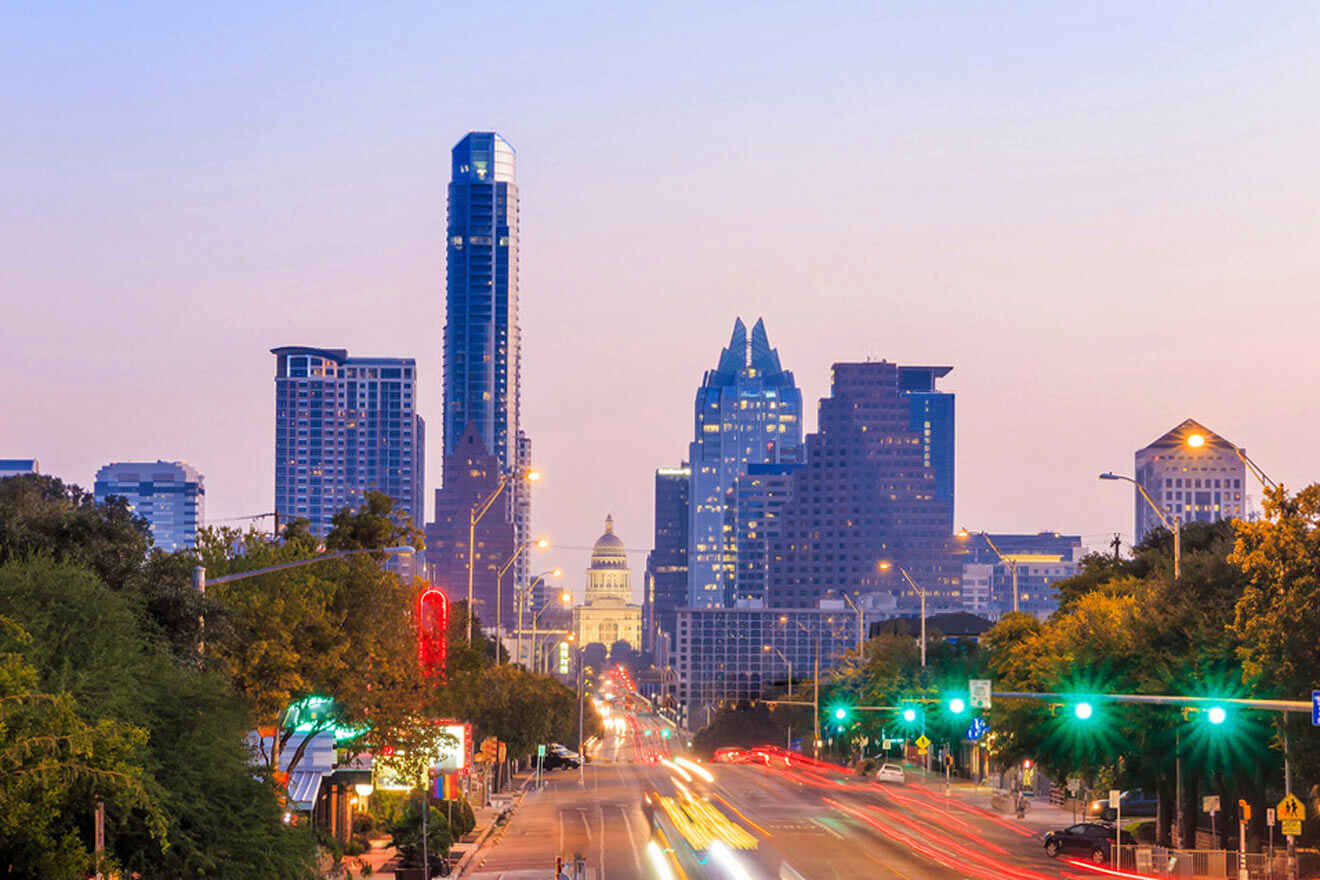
x=541, y=544
x=861, y=621
x=1175, y=526
x=565, y=598
x=815, y=698
x=1008, y=559
x=475, y=513
x=767, y=649
x=885, y=566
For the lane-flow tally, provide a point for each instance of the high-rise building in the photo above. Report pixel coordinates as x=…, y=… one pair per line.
x=665, y=590
x=482, y=343
x=472, y=474
x=867, y=494
x=748, y=411
x=930, y=414
x=13, y=467
x=170, y=495
x=344, y=425
x=1041, y=559
x=756, y=515
x=1193, y=474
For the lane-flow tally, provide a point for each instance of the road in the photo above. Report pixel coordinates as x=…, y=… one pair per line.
x=803, y=822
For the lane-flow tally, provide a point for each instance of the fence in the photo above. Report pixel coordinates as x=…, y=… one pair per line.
x=1213, y=863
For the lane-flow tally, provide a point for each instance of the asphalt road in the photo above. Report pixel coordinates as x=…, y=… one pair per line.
x=802, y=823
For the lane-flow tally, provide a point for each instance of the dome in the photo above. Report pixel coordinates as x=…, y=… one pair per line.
x=608, y=548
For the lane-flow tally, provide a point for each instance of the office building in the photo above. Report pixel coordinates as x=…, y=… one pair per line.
x=169, y=495
x=721, y=654
x=665, y=588
x=930, y=414
x=867, y=494
x=754, y=520
x=1193, y=474
x=14, y=467
x=748, y=411
x=471, y=475
x=608, y=614
x=343, y=426
x=1041, y=559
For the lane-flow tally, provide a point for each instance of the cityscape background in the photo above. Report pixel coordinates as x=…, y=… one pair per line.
x=213, y=185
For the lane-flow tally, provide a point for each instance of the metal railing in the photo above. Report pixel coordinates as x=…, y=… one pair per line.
x=1210, y=864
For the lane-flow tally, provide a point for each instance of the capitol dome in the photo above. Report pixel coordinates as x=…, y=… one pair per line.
x=608, y=550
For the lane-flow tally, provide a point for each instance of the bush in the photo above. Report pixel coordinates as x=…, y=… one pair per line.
x=407, y=833
x=363, y=823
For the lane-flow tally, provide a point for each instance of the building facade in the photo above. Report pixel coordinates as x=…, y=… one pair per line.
x=472, y=474
x=345, y=425
x=748, y=411
x=930, y=414
x=1042, y=559
x=721, y=654
x=14, y=467
x=1193, y=474
x=867, y=494
x=608, y=615
x=170, y=495
x=754, y=520
x=665, y=589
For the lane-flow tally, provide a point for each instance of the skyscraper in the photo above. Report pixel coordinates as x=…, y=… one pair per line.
x=930, y=414
x=865, y=495
x=170, y=495
x=665, y=590
x=748, y=411
x=13, y=467
x=756, y=517
x=482, y=343
x=344, y=425
x=1193, y=474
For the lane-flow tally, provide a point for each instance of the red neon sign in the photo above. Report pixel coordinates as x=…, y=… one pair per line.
x=432, y=631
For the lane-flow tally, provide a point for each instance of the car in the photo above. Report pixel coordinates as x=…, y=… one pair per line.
x=728, y=755
x=557, y=758
x=1092, y=840
x=890, y=773
x=1135, y=803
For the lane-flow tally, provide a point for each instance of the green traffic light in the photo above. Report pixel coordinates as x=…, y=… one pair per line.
x=957, y=706
x=1216, y=715
x=666, y=733
x=1083, y=711
x=909, y=715
x=841, y=713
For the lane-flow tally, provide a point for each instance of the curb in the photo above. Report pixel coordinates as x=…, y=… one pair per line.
x=466, y=861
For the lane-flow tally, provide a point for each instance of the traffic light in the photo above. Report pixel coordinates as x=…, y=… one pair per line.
x=909, y=715
x=1083, y=711
x=666, y=733
x=1216, y=715
x=841, y=713
x=957, y=706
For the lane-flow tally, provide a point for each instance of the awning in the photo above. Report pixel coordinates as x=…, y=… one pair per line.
x=303, y=787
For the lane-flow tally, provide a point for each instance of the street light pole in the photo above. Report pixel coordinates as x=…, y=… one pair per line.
x=1175, y=526
x=885, y=566
x=787, y=663
x=861, y=622
x=475, y=513
x=499, y=595
x=564, y=598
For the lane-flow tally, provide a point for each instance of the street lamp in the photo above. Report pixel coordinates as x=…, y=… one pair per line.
x=541, y=544
x=1175, y=526
x=766, y=649
x=815, y=698
x=475, y=513
x=565, y=598
x=885, y=565
x=861, y=619
x=1010, y=559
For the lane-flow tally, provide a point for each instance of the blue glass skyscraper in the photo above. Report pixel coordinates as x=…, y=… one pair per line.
x=930, y=414
x=748, y=411
x=482, y=343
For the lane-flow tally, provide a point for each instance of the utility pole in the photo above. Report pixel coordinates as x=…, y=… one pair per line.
x=1117, y=544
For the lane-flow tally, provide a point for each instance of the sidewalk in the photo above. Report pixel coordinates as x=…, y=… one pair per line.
x=1041, y=814
x=488, y=821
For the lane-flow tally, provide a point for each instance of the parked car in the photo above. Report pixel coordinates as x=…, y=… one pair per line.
x=560, y=758
x=890, y=773
x=1089, y=839
x=1135, y=803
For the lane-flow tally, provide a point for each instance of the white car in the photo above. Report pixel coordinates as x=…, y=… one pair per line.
x=890, y=773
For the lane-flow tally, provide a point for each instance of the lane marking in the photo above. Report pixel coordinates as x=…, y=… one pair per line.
x=632, y=838
x=740, y=815
x=816, y=821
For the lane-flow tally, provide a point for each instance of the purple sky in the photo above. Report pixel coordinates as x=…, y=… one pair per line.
x=1104, y=218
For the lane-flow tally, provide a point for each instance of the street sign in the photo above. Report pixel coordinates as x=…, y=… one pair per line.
x=921, y=750
x=1210, y=804
x=1269, y=817
x=540, y=750
x=1290, y=809
x=1115, y=798
x=1074, y=785
x=978, y=729
x=1315, y=708
x=1292, y=827
x=923, y=743
x=980, y=688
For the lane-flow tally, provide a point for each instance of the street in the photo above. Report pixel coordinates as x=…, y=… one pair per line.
x=801, y=822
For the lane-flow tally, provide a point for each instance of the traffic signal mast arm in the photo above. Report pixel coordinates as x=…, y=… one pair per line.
x=1164, y=699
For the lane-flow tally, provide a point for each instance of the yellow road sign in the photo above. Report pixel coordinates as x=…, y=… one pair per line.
x=1292, y=827
x=921, y=750
x=923, y=743
x=1290, y=809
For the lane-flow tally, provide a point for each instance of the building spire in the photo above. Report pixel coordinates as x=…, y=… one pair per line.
x=609, y=523
x=764, y=358
x=734, y=358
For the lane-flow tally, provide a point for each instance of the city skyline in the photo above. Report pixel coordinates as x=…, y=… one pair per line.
x=1048, y=241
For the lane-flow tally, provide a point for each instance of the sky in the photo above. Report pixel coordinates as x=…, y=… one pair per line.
x=1103, y=216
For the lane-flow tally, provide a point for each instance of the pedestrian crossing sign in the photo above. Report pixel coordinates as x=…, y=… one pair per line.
x=923, y=743
x=1290, y=809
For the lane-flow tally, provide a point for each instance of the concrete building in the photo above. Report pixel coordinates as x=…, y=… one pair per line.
x=665, y=588
x=721, y=656
x=13, y=467
x=343, y=426
x=867, y=493
x=471, y=474
x=1193, y=474
x=170, y=495
x=748, y=411
x=608, y=615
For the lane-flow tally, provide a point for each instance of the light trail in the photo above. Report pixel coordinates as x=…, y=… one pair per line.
x=696, y=768
x=656, y=857
x=724, y=857
x=1111, y=872
x=677, y=769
